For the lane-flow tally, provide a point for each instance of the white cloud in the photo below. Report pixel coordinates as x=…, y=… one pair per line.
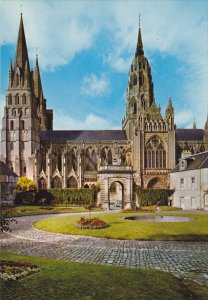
x=94, y=85
x=60, y=29
x=63, y=29
x=90, y=122
x=184, y=119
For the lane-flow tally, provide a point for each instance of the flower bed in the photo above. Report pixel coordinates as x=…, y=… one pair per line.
x=91, y=223
x=11, y=270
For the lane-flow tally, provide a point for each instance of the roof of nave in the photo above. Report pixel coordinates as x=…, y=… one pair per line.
x=83, y=135
x=196, y=161
x=5, y=170
x=189, y=134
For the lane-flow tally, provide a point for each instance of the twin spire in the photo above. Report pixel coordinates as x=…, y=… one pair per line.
x=22, y=61
x=21, y=57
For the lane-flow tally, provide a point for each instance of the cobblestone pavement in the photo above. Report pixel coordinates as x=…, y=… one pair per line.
x=186, y=260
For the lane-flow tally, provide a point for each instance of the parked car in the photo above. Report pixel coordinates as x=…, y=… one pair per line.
x=118, y=204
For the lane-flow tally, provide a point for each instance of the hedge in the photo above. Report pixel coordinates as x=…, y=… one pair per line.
x=66, y=196
x=148, y=197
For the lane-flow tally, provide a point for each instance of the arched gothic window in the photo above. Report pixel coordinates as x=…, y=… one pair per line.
x=155, y=154
x=12, y=125
x=141, y=79
x=90, y=160
x=42, y=183
x=74, y=160
x=56, y=183
x=24, y=100
x=143, y=102
x=23, y=125
x=110, y=161
x=10, y=99
x=134, y=80
x=17, y=99
x=134, y=108
x=72, y=183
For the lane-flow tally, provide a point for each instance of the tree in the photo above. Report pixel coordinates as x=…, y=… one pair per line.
x=25, y=191
x=25, y=184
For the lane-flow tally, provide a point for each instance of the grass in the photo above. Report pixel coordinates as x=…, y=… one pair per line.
x=20, y=211
x=66, y=280
x=128, y=229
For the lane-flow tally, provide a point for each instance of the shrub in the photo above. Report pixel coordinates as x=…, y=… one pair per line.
x=25, y=184
x=5, y=220
x=25, y=191
x=148, y=197
x=78, y=196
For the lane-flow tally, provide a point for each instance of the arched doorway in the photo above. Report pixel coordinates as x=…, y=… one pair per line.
x=116, y=192
x=56, y=183
x=72, y=183
x=86, y=186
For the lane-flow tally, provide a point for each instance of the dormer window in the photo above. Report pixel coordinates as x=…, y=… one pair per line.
x=182, y=164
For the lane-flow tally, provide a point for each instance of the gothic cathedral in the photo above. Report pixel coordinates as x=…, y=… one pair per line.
x=142, y=153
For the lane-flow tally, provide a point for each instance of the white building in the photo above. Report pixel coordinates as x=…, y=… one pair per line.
x=190, y=181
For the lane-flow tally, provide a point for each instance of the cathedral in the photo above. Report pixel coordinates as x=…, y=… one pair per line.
x=142, y=153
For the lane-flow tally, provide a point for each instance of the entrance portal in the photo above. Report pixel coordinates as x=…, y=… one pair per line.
x=116, y=194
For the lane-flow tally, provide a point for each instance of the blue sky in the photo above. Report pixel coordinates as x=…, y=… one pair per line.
x=85, y=49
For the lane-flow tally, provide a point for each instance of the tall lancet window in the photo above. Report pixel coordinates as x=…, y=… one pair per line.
x=17, y=99
x=155, y=154
x=18, y=77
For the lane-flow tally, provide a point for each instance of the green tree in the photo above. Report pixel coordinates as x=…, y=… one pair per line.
x=25, y=184
x=25, y=191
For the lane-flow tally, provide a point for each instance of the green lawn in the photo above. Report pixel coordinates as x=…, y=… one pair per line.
x=126, y=229
x=19, y=211
x=66, y=280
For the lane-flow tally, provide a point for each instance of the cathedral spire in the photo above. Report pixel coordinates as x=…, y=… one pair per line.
x=37, y=80
x=194, y=124
x=21, y=51
x=206, y=124
x=139, y=49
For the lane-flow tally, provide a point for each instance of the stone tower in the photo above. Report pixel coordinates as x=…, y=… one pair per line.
x=152, y=137
x=25, y=112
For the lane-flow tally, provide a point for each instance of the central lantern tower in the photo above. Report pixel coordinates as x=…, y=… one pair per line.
x=152, y=137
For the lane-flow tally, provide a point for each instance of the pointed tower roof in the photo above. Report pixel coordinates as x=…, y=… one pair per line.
x=170, y=103
x=139, y=49
x=21, y=51
x=194, y=124
x=206, y=124
x=37, y=80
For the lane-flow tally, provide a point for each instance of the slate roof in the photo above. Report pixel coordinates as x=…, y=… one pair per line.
x=83, y=135
x=189, y=134
x=196, y=161
x=5, y=170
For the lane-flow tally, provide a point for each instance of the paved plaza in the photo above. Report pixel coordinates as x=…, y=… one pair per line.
x=186, y=260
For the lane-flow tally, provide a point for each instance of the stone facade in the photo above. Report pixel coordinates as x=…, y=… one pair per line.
x=190, y=181
x=142, y=153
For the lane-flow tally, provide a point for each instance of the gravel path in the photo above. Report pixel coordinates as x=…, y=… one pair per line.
x=186, y=260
